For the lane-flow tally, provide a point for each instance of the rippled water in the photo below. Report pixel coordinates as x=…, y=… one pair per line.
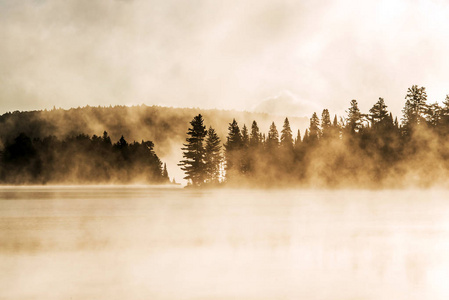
x=173, y=243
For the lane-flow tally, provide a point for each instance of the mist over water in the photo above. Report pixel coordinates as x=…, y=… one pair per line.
x=103, y=93
x=139, y=242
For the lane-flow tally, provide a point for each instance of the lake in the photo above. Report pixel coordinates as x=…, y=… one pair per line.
x=139, y=242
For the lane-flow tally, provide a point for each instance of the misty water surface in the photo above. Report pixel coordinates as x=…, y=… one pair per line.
x=173, y=243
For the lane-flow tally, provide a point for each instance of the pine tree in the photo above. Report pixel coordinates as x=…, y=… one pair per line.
x=354, y=121
x=335, y=123
x=212, y=158
x=255, y=137
x=298, y=139
x=193, y=152
x=378, y=113
x=234, y=138
x=335, y=128
x=325, y=123
x=122, y=143
x=106, y=139
x=305, y=139
x=314, y=128
x=233, y=147
x=245, y=158
x=245, y=136
x=415, y=108
x=273, y=137
x=286, y=136
x=434, y=114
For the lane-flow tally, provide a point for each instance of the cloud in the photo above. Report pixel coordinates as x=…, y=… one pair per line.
x=287, y=104
x=215, y=54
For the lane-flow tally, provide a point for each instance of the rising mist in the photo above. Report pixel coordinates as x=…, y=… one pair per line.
x=361, y=150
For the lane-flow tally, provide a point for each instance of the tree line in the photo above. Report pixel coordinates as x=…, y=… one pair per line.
x=370, y=149
x=80, y=159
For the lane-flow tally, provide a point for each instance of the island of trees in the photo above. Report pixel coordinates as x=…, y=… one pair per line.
x=80, y=159
x=361, y=150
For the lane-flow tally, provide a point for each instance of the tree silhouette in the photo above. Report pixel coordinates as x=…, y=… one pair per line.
x=193, y=152
x=433, y=115
x=354, y=120
x=233, y=147
x=415, y=108
x=78, y=159
x=255, y=137
x=298, y=139
x=245, y=159
x=245, y=136
x=314, y=129
x=345, y=152
x=325, y=123
x=286, y=150
x=106, y=139
x=286, y=136
x=212, y=156
x=378, y=112
x=21, y=160
x=273, y=137
x=305, y=139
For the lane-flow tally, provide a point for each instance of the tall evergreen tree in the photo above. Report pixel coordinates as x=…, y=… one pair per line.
x=378, y=113
x=415, y=108
x=212, y=156
x=234, y=138
x=335, y=128
x=286, y=154
x=325, y=123
x=245, y=136
x=233, y=147
x=298, y=139
x=193, y=152
x=434, y=114
x=273, y=137
x=354, y=121
x=286, y=136
x=106, y=139
x=255, y=137
x=245, y=158
x=314, y=128
x=305, y=139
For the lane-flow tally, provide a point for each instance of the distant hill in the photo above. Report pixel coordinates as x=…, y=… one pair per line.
x=165, y=126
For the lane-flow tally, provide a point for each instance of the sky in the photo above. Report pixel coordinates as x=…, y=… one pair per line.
x=285, y=57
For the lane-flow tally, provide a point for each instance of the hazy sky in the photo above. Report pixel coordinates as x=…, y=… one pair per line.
x=306, y=55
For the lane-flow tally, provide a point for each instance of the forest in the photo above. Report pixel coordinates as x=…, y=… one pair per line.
x=363, y=150
x=164, y=126
x=359, y=150
x=80, y=159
